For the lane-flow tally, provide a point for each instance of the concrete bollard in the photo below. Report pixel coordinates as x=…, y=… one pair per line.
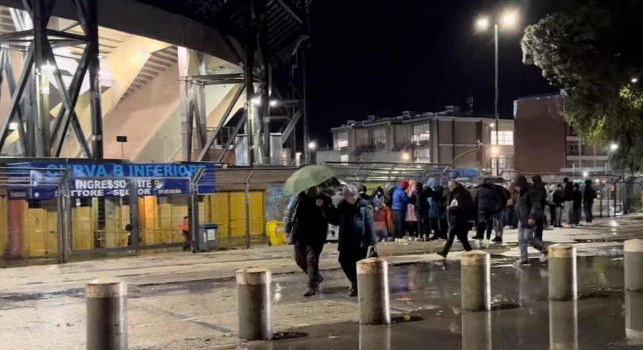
x=634, y=316
x=476, y=331
x=633, y=264
x=475, y=285
x=106, y=315
x=562, y=272
x=255, y=303
x=375, y=337
x=563, y=325
x=372, y=290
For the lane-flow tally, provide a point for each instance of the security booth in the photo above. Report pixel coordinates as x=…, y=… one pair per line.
x=101, y=209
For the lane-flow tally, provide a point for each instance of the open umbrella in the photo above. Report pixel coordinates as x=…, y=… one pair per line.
x=306, y=177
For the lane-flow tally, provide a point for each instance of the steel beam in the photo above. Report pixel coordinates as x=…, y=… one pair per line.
x=91, y=19
x=11, y=82
x=224, y=119
x=40, y=18
x=16, y=97
x=238, y=127
x=290, y=127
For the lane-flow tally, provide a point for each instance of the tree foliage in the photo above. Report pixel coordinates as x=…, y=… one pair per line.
x=592, y=50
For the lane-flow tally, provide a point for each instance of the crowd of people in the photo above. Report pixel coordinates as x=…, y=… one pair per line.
x=413, y=211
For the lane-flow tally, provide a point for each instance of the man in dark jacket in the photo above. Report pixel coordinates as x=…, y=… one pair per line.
x=362, y=193
x=559, y=201
x=460, y=212
x=540, y=194
x=399, y=205
x=528, y=210
x=420, y=200
x=568, y=190
x=486, y=200
x=588, y=201
x=307, y=226
x=355, y=219
x=577, y=199
x=499, y=226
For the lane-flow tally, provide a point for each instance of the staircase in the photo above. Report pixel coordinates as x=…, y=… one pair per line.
x=157, y=63
x=6, y=22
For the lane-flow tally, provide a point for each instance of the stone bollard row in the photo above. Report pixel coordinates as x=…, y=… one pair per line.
x=106, y=315
x=475, y=285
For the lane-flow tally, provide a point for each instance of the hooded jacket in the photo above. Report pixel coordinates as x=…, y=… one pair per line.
x=400, y=199
x=361, y=233
x=460, y=208
x=528, y=203
x=486, y=198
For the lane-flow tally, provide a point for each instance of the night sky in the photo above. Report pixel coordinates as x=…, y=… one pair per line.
x=382, y=57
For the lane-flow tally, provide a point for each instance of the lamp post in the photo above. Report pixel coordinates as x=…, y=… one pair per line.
x=508, y=19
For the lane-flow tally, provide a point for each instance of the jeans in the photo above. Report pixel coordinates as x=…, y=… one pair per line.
x=398, y=223
x=498, y=224
x=569, y=212
x=459, y=231
x=525, y=239
x=559, y=216
x=588, y=212
x=307, y=258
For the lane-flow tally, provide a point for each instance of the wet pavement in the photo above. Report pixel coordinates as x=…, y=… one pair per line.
x=178, y=311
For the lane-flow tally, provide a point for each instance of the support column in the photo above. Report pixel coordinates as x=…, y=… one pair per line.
x=255, y=303
x=40, y=18
x=562, y=272
x=186, y=120
x=633, y=264
x=475, y=275
x=373, y=292
x=94, y=82
x=106, y=315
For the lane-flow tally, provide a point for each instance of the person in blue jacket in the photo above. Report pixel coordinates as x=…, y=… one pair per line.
x=399, y=205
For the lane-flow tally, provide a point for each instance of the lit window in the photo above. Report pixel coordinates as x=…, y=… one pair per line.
x=506, y=137
x=343, y=158
x=423, y=155
x=421, y=132
x=342, y=140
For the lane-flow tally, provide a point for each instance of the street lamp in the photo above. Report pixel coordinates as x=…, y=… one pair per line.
x=508, y=19
x=613, y=146
x=312, y=145
x=635, y=80
x=585, y=174
x=406, y=156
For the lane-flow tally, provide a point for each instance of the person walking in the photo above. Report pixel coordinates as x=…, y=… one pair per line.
x=306, y=225
x=399, y=205
x=487, y=201
x=528, y=210
x=354, y=215
x=568, y=190
x=540, y=195
x=460, y=213
x=559, y=202
x=589, y=194
x=577, y=199
x=498, y=222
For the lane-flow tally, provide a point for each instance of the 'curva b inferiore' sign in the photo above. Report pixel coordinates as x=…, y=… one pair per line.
x=115, y=180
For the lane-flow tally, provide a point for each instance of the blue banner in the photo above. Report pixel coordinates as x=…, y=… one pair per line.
x=112, y=179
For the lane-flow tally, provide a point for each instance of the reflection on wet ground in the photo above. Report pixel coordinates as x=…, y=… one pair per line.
x=604, y=317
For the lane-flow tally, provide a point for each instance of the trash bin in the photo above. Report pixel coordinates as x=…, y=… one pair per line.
x=208, y=237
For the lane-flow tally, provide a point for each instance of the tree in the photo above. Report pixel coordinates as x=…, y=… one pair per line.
x=593, y=50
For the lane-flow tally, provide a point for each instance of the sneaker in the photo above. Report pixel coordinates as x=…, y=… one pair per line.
x=543, y=257
x=497, y=239
x=353, y=292
x=320, y=279
x=310, y=292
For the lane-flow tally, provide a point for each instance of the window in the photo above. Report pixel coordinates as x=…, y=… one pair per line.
x=379, y=137
x=572, y=148
x=342, y=140
x=503, y=163
x=506, y=137
x=423, y=155
x=421, y=132
x=343, y=158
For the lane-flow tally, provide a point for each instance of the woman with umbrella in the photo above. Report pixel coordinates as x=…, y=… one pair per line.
x=306, y=222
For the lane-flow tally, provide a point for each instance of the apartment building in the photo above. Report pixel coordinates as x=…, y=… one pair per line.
x=449, y=137
x=546, y=144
